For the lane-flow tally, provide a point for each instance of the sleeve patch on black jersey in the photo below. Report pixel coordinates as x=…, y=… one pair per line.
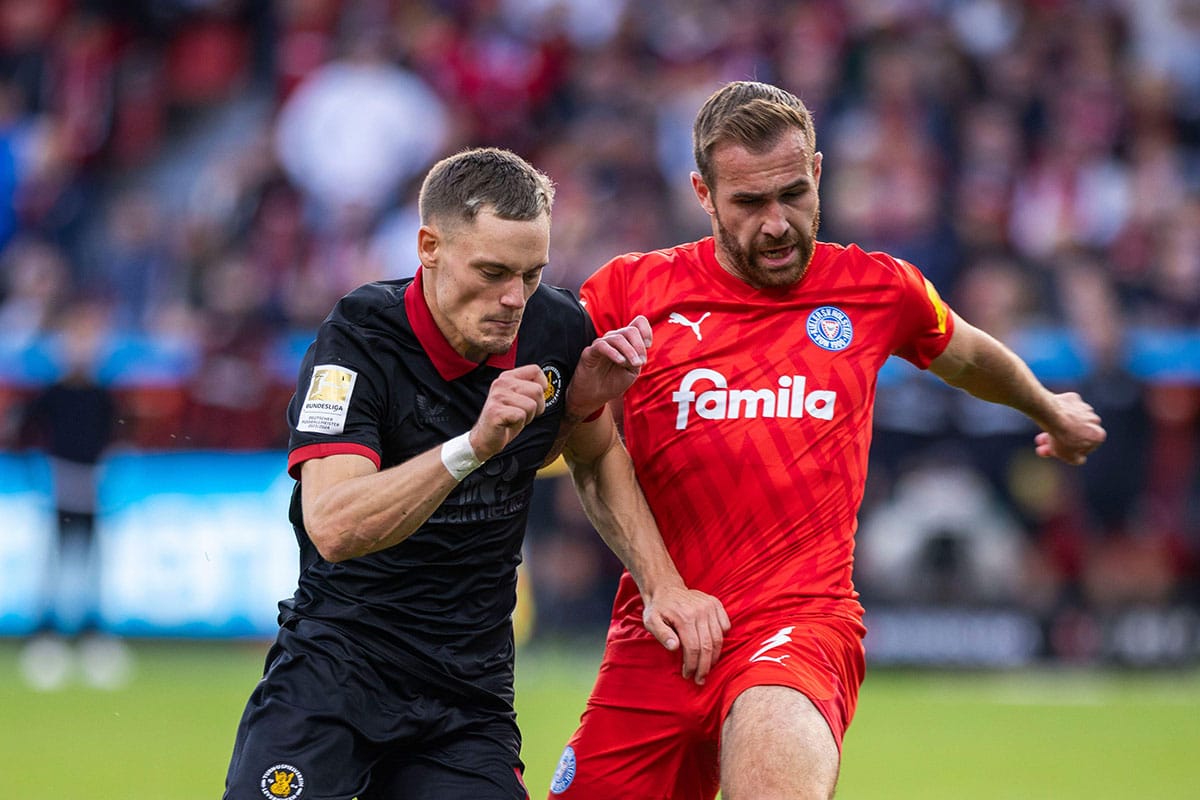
x=553, y=384
x=328, y=400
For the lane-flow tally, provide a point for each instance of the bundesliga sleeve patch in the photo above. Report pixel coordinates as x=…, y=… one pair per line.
x=328, y=400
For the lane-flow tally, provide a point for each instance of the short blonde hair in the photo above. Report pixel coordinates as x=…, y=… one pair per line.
x=751, y=114
x=458, y=187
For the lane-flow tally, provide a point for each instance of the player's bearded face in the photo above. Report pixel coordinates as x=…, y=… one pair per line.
x=768, y=261
x=765, y=209
x=483, y=274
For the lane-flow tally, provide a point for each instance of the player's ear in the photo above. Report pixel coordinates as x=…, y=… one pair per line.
x=703, y=194
x=428, y=244
x=816, y=168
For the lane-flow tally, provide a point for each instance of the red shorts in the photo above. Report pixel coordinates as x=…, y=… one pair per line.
x=648, y=734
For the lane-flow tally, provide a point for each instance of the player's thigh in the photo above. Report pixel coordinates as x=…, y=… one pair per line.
x=471, y=766
x=283, y=751
x=775, y=743
x=296, y=736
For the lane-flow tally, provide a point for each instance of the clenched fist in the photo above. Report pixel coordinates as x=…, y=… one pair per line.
x=515, y=399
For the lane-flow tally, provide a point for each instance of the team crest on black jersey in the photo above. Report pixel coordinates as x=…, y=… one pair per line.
x=553, y=385
x=282, y=782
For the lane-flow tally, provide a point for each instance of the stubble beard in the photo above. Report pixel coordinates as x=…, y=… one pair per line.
x=746, y=265
x=482, y=345
x=494, y=345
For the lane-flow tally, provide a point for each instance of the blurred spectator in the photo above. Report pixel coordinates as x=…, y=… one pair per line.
x=888, y=161
x=1174, y=279
x=499, y=73
x=82, y=84
x=72, y=421
x=1114, y=482
x=357, y=129
x=230, y=399
x=990, y=157
x=27, y=32
x=997, y=294
x=1098, y=522
x=209, y=56
x=588, y=24
x=36, y=282
x=130, y=262
x=306, y=40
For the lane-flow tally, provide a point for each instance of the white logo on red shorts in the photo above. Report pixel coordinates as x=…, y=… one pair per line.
x=778, y=640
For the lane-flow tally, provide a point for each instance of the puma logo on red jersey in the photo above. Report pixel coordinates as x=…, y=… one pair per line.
x=680, y=319
x=788, y=400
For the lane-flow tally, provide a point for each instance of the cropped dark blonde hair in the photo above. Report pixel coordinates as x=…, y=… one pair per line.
x=458, y=187
x=751, y=114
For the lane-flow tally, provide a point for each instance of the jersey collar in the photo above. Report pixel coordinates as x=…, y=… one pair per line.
x=739, y=288
x=449, y=362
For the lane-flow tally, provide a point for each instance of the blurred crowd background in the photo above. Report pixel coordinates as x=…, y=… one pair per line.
x=187, y=187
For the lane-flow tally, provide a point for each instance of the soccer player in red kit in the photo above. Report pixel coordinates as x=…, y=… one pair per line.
x=749, y=428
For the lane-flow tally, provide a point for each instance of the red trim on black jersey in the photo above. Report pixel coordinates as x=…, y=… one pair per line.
x=322, y=449
x=449, y=362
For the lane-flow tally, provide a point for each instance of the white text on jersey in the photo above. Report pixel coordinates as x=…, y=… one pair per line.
x=788, y=400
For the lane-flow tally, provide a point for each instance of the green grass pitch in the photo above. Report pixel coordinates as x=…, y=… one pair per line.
x=1053, y=735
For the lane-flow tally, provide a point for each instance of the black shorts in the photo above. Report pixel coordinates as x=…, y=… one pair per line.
x=328, y=722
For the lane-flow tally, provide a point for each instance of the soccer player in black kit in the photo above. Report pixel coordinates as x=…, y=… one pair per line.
x=423, y=411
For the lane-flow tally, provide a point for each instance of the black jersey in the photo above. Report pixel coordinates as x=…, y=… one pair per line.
x=381, y=380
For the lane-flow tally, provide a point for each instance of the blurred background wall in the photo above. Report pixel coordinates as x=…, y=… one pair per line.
x=187, y=186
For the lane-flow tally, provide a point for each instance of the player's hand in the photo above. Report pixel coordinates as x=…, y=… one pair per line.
x=1075, y=434
x=515, y=399
x=688, y=620
x=608, y=366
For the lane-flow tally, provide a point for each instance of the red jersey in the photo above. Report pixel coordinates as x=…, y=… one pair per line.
x=750, y=424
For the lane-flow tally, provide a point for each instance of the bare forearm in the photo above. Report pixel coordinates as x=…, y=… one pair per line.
x=979, y=364
x=371, y=512
x=1001, y=377
x=678, y=617
x=617, y=509
x=984, y=367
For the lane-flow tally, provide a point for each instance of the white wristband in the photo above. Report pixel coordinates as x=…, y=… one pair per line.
x=459, y=457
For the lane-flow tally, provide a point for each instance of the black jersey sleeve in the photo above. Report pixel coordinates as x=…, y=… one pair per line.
x=577, y=329
x=340, y=399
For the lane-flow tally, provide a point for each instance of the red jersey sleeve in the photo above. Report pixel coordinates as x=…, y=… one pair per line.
x=924, y=322
x=604, y=295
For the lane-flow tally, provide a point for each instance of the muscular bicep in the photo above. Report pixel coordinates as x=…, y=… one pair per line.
x=317, y=475
x=962, y=351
